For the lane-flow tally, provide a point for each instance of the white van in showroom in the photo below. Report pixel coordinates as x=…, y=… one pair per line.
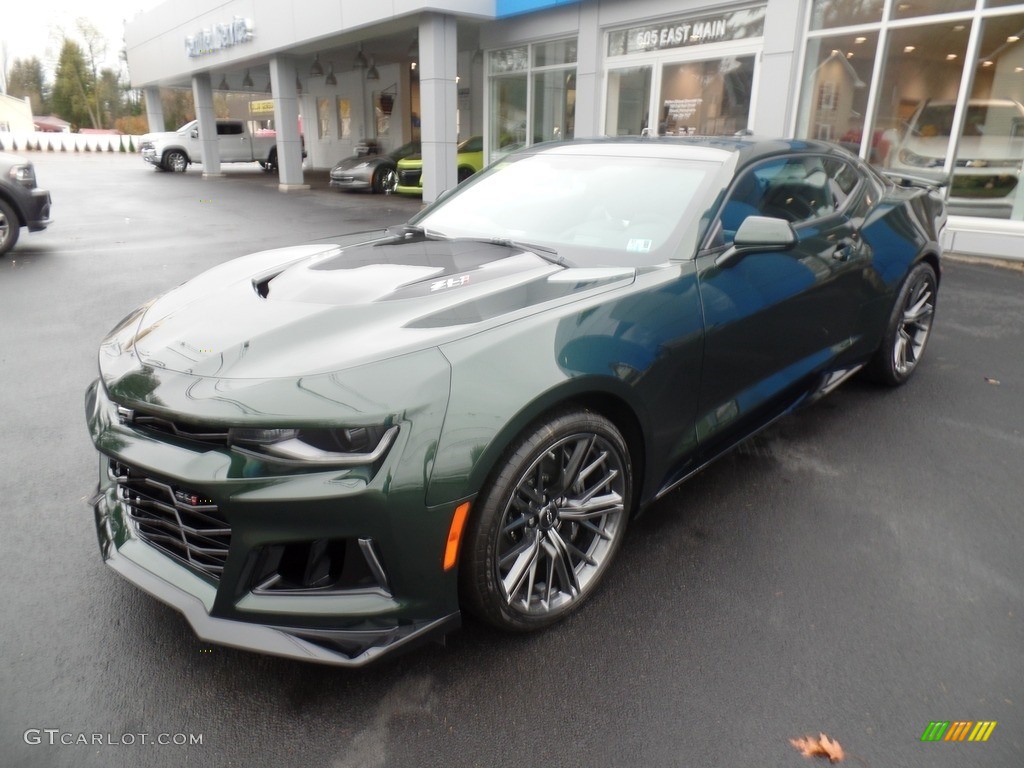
x=988, y=163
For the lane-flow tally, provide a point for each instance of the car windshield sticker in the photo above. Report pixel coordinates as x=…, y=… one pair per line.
x=639, y=245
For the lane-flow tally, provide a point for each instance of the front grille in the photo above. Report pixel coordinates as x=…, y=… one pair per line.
x=409, y=178
x=145, y=145
x=174, y=520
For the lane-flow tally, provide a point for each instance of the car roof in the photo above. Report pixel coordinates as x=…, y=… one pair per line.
x=711, y=148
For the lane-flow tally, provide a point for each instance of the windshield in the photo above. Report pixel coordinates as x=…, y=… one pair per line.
x=590, y=209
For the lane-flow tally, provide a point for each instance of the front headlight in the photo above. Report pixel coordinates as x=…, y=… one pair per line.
x=342, y=447
x=920, y=161
x=23, y=174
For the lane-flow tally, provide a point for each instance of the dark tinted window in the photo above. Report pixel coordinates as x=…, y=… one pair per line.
x=229, y=129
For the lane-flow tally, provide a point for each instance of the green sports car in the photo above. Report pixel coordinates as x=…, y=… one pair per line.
x=330, y=452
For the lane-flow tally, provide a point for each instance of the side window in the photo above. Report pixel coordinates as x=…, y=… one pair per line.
x=229, y=129
x=797, y=189
x=843, y=179
x=799, y=192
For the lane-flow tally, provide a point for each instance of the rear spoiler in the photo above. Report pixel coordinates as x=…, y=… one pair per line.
x=904, y=179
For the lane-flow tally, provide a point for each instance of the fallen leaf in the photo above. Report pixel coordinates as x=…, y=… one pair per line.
x=822, y=746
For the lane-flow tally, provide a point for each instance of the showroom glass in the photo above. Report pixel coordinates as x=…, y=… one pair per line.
x=629, y=101
x=706, y=98
x=594, y=211
x=990, y=148
x=906, y=9
x=923, y=64
x=554, y=105
x=834, y=99
x=548, y=70
x=826, y=14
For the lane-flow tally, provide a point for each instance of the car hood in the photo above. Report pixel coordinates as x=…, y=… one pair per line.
x=316, y=309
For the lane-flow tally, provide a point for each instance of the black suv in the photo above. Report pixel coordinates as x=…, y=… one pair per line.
x=21, y=204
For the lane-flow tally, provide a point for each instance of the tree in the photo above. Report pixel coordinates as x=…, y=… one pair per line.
x=26, y=78
x=74, y=89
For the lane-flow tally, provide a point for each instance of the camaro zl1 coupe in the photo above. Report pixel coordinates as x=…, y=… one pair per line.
x=329, y=452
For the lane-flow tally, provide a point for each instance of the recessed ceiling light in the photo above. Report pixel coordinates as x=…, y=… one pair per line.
x=849, y=54
x=950, y=56
x=1013, y=38
x=986, y=63
x=959, y=28
x=859, y=40
x=909, y=48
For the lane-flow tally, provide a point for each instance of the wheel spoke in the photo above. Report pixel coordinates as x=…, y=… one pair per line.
x=572, y=466
x=561, y=564
x=591, y=507
x=524, y=567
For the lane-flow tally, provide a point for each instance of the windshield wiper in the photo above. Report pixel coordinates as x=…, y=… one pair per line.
x=545, y=252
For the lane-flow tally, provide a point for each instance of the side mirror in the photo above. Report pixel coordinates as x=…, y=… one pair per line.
x=758, y=233
x=195, y=133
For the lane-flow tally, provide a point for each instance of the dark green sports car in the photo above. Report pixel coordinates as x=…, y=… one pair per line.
x=331, y=452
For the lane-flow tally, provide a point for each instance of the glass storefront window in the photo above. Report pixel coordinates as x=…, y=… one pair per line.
x=558, y=52
x=906, y=9
x=629, y=101
x=554, y=105
x=828, y=14
x=834, y=99
x=532, y=95
x=707, y=98
x=990, y=149
x=923, y=67
x=508, y=113
x=508, y=60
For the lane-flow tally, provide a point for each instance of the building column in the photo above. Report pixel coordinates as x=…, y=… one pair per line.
x=439, y=103
x=588, y=73
x=154, y=109
x=286, y=122
x=202, y=94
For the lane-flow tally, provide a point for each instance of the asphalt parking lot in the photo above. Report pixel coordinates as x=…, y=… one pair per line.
x=856, y=570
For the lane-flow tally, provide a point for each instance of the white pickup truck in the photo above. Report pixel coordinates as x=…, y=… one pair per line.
x=174, y=150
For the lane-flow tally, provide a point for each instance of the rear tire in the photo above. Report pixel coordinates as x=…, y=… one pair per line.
x=10, y=227
x=271, y=164
x=908, y=330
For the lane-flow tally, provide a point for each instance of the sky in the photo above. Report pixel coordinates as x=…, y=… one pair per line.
x=27, y=30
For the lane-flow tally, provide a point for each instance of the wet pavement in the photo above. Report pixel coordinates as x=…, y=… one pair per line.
x=856, y=570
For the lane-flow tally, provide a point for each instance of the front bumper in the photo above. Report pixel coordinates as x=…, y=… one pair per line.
x=338, y=647
x=349, y=181
x=231, y=542
x=150, y=156
x=39, y=210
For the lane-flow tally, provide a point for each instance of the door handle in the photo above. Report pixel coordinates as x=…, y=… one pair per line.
x=846, y=249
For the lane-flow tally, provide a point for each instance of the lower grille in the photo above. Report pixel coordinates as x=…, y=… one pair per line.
x=409, y=178
x=175, y=521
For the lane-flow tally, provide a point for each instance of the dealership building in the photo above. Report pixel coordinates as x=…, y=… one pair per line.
x=927, y=87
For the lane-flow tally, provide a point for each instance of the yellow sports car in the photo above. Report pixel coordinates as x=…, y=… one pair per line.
x=470, y=160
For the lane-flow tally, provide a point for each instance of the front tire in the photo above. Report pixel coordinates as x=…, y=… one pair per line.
x=549, y=524
x=385, y=180
x=909, y=327
x=176, y=161
x=10, y=228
